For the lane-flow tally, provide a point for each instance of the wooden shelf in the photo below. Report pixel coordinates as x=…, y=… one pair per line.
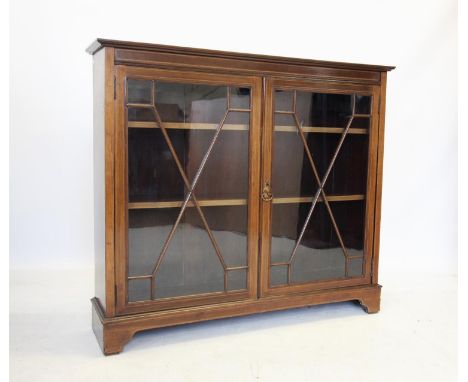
x=238, y=202
x=178, y=203
x=325, y=130
x=308, y=199
x=242, y=127
x=140, y=105
x=362, y=115
x=187, y=126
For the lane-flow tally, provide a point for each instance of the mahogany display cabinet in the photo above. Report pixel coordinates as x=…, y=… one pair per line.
x=228, y=184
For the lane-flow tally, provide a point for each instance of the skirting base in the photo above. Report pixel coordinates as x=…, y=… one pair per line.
x=113, y=333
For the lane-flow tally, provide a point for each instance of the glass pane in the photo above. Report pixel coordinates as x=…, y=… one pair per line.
x=237, y=279
x=190, y=103
x=331, y=110
x=190, y=265
x=283, y=100
x=292, y=173
x=139, y=91
x=140, y=114
x=350, y=218
x=319, y=255
x=153, y=174
x=223, y=177
x=148, y=229
x=191, y=114
x=139, y=290
x=363, y=104
x=328, y=110
x=278, y=275
x=349, y=173
x=355, y=268
x=229, y=227
x=285, y=122
x=240, y=98
x=360, y=123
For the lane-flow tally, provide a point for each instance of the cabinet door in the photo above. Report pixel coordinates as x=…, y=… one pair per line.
x=187, y=186
x=318, y=185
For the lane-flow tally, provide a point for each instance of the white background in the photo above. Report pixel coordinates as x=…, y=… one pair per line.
x=51, y=107
x=51, y=206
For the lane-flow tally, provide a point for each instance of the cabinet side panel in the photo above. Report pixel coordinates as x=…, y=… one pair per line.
x=378, y=193
x=99, y=175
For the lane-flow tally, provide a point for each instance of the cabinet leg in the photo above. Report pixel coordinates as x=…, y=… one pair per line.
x=115, y=340
x=111, y=337
x=371, y=303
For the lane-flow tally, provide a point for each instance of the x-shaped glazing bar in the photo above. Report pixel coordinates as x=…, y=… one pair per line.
x=317, y=178
x=321, y=184
x=190, y=188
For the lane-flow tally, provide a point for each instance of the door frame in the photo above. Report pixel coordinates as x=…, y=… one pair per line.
x=270, y=84
x=121, y=188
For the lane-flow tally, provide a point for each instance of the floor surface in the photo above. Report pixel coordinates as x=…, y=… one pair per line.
x=413, y=338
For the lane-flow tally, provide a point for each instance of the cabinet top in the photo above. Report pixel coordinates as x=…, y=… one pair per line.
x=139, y=46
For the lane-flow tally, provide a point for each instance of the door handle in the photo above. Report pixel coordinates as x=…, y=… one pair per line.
x=266, y=192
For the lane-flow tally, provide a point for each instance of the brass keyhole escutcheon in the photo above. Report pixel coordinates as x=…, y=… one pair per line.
x=266, y=193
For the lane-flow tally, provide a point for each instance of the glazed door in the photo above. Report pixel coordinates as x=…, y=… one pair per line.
x=318, y=185
x=187, y=188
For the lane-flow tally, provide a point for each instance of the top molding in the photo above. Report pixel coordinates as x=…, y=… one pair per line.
x=128, y=45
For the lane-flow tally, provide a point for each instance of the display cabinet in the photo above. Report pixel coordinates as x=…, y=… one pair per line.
x=229, y=184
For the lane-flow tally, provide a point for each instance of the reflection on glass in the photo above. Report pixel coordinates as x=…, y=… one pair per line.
x=283, y=100
x=355, y=267
x=363, y=104
x=153, y=174
x=190, y=103
x=139, y=91
x=140, y=114
x=320, y=255
x=139, y=290
x=190, y=265
x=237, y=279
x=278, y=275
x=321, y=109
x=240, y=98
x=329, y=110
x=292, y=173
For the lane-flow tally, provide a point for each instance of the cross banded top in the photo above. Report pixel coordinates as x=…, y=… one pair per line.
x=260, y=58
